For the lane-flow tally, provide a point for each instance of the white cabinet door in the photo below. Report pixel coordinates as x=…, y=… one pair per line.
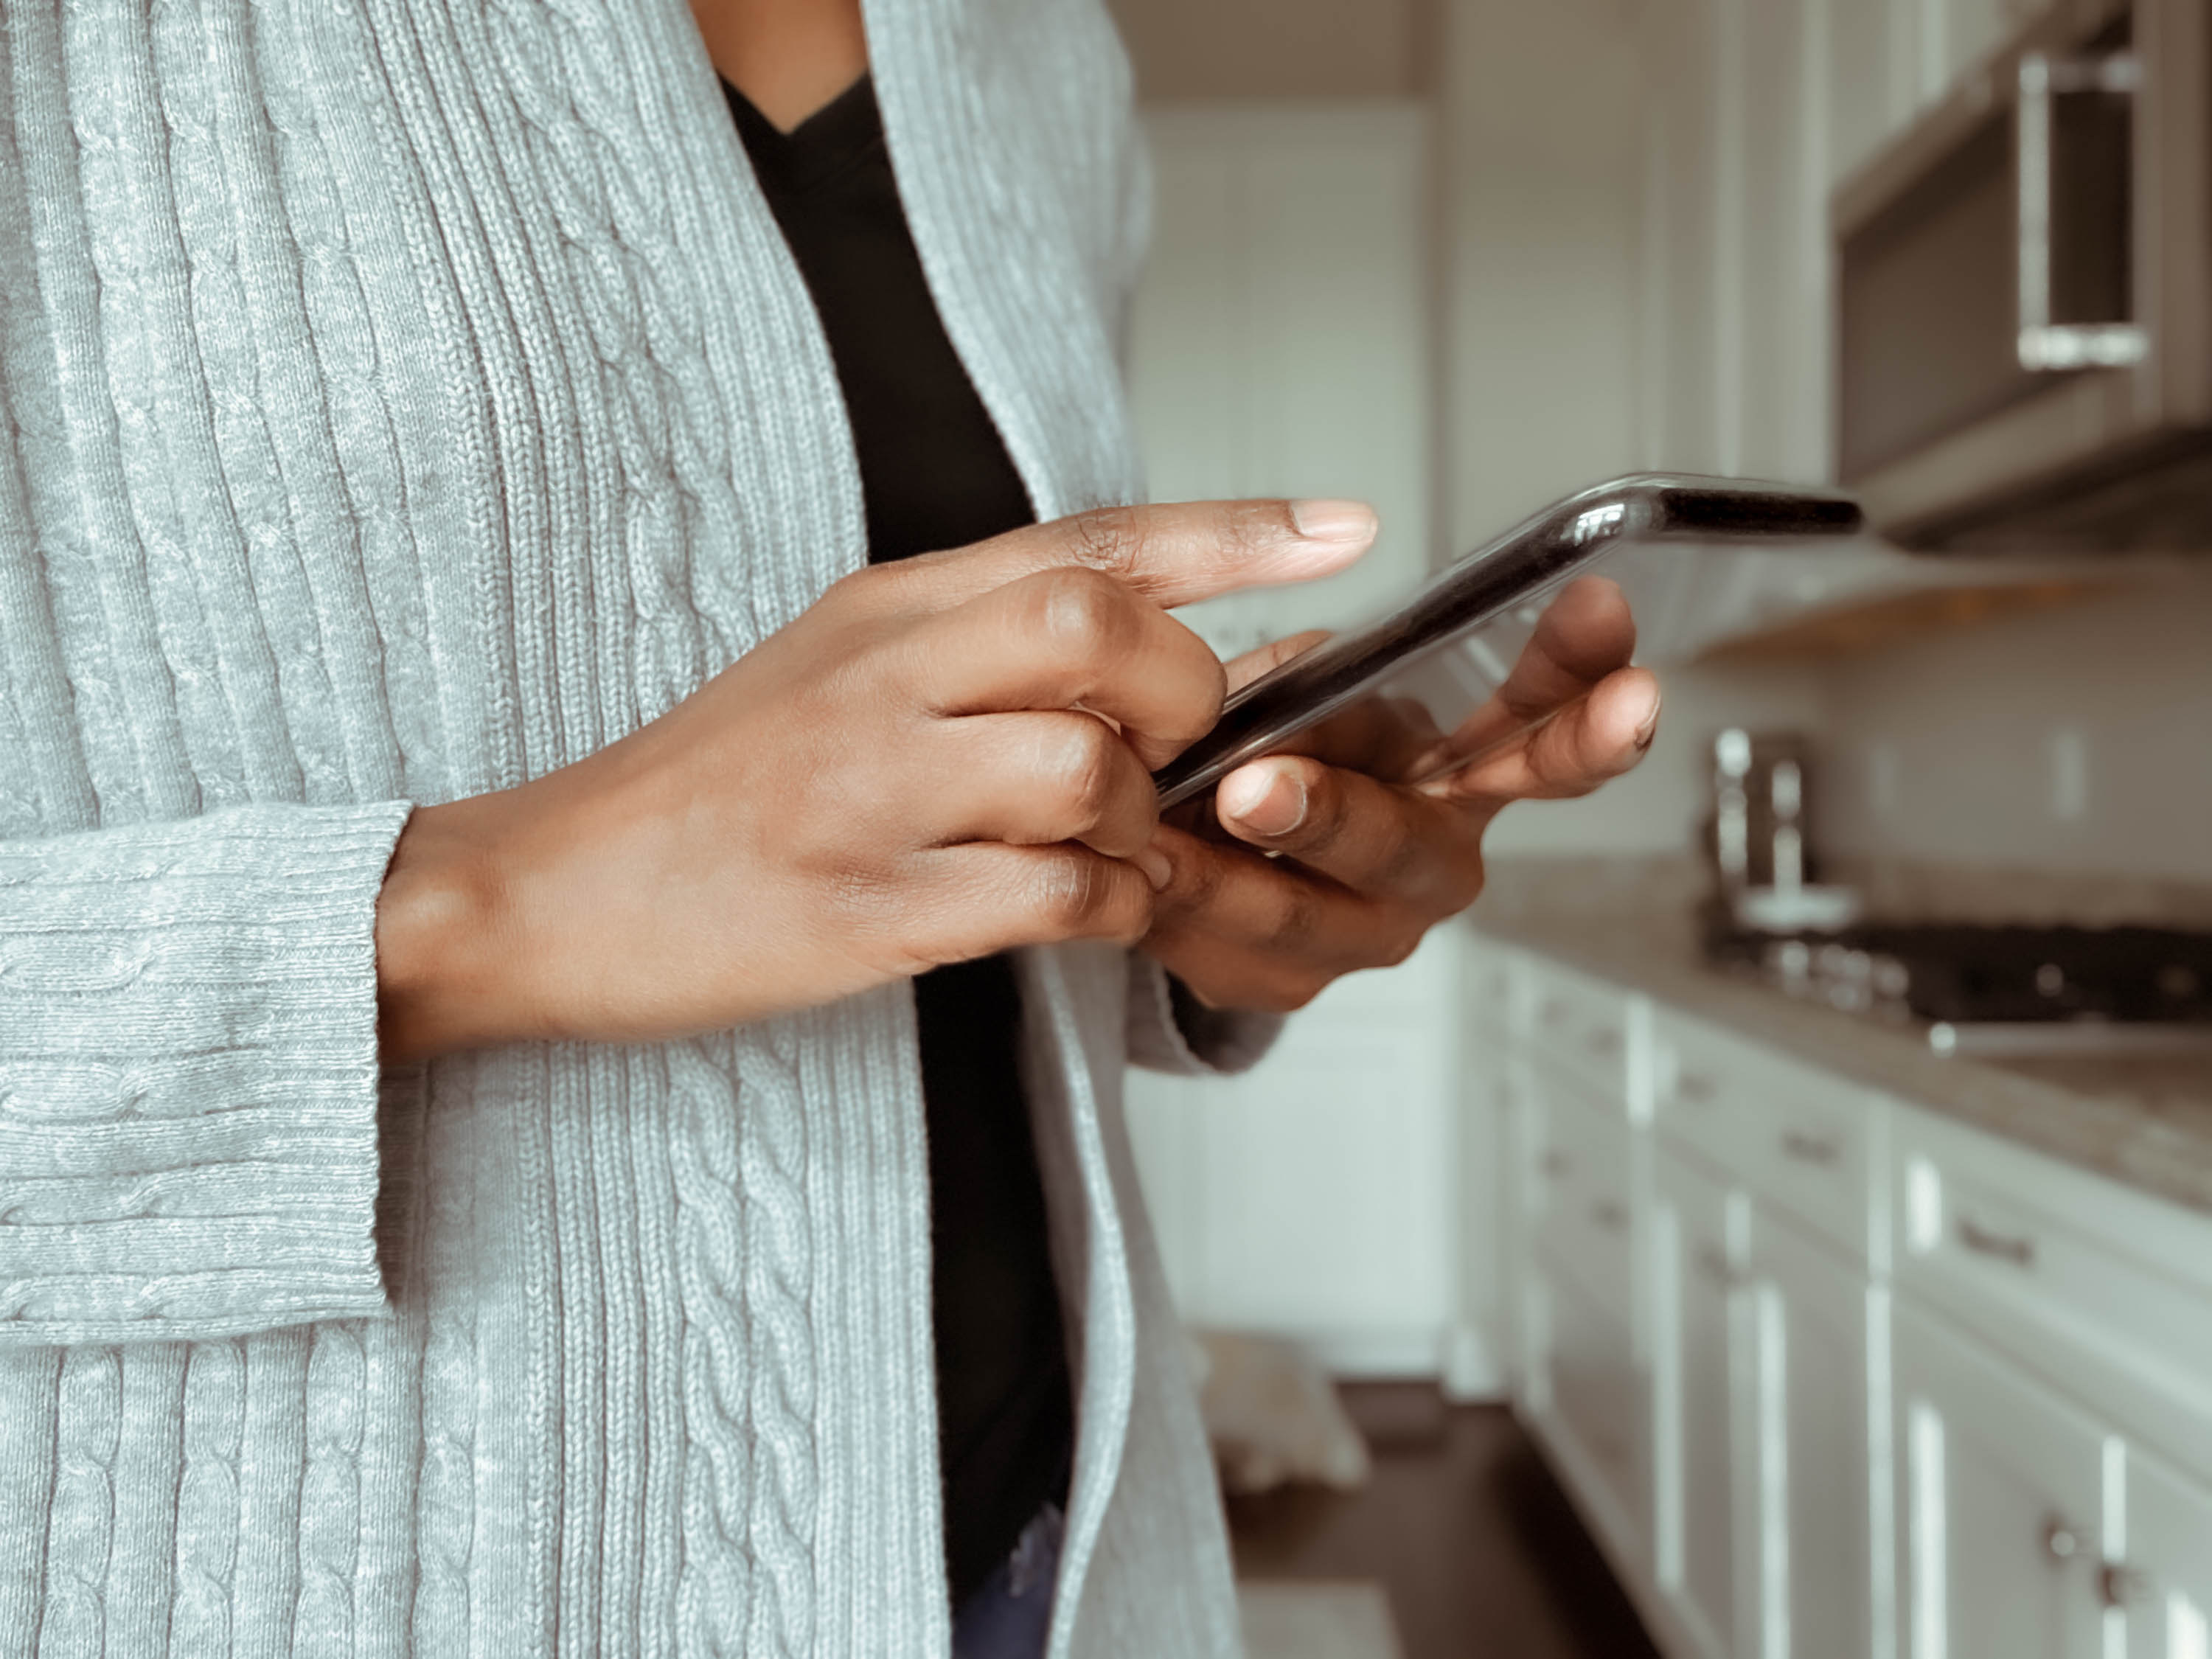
x=1522, y=1136
x=2001, y=1485
x=1766, y=1489
x=1584, y=1384
x=2165, y=1587
x=1818, y=1593
x=1588, y=1398
x=1702, y=1400
x=1484, y=1215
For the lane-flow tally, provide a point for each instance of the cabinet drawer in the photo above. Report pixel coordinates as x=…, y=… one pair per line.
x=1578, y=1026
x=1585, y=1224
x=2104, y=1290
x=1487, y=984
x=1804, y=1140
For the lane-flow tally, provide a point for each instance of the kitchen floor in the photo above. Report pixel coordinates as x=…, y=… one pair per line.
x=1480, y=1553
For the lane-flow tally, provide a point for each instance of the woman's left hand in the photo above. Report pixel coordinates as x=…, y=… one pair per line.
x=1325, y=862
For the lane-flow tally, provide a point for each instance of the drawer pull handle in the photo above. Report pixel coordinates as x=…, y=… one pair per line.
x=1552, y=1010
x=1558, y=1164
x=2020, y=1252
x=1697, y=1088
x=1612, y=1216
x=2120, y=1586
x=2062, y=1541
x=1816, y=1150
x=1604, y=1043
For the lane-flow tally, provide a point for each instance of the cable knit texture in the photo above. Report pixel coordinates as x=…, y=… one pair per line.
x=402, y=398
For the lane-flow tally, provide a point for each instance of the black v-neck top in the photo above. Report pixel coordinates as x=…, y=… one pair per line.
x=935, y=474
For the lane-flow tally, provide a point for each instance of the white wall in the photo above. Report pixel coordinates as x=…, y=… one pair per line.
x=1280, y=342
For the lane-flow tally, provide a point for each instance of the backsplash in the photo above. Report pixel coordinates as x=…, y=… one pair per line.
x=2056, y=765
x=2076, y=741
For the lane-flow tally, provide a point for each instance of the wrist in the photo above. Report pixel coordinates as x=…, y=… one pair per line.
x=446, y=936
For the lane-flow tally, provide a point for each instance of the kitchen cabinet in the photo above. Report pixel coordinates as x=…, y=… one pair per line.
x=2164, y=1585
x=1481, y=1354
x=2002, y=1487
x=1583, y=1327
x=1755, y=110
x=1589, y=1397
x=1585, y=1192
x=1766, y=1439
x=2104, y=1292
x=1824, y=1586
x=1848, y=1379
x=1809, y=1145
x=1705, y=1387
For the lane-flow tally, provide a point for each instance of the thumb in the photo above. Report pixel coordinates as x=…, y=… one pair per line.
x=1174, y=554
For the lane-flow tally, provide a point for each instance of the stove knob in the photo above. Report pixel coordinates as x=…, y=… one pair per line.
x=2051, y=979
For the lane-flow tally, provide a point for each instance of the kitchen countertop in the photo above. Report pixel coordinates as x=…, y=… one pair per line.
x=2144, y=1121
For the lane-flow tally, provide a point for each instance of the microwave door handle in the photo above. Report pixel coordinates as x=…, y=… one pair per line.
x=2046, y=347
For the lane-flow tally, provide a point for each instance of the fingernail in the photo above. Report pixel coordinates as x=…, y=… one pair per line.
x=1273, y=802
x=1335, y=522
x=1649, y=729
x=1158, y=869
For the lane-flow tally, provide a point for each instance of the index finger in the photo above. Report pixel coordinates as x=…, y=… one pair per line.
x=1174, y=554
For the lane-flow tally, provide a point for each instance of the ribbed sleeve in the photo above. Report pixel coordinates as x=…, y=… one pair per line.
x=1178, y=1034
x=189, y=1074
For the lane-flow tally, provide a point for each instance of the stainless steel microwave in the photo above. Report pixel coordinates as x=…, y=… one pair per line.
x=2024, y=296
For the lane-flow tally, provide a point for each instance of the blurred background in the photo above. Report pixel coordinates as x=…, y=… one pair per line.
x=1780, y=1221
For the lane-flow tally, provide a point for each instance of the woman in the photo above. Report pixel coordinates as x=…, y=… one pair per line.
x=477, y=1173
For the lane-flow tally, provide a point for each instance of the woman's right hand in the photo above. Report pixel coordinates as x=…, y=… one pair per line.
x=942, y=758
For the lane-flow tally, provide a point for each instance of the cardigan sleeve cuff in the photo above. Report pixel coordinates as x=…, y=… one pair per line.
x=1171, y=1030
x=189, y=1075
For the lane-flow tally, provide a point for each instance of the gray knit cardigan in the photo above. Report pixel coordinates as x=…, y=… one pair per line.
x=403, y=398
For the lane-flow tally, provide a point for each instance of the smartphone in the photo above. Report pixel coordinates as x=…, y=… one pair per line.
x=1456, y=638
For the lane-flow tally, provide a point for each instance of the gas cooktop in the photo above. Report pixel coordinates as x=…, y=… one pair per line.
x=1997, y=990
